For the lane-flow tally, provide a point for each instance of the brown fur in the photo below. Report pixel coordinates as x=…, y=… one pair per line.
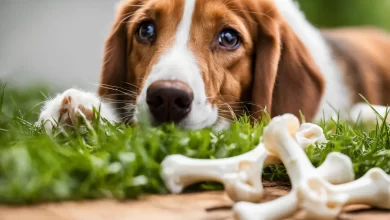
x=286, y=79
x=226, y=74
x=69, y=116
x=127, y=63
x=363, y=55
x=271, y=69
x=115, y=72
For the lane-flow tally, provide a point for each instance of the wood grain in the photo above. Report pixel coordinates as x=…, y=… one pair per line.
x=196, y=206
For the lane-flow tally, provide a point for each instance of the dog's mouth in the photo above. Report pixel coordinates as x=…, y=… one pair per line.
x=199, y=117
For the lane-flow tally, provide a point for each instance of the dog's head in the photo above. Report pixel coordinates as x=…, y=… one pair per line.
x=202, y=63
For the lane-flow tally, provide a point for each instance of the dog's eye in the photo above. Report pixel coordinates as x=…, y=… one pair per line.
x=146, y=32
x=229, y=39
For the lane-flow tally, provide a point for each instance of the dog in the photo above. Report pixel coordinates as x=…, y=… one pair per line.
x=203, y=63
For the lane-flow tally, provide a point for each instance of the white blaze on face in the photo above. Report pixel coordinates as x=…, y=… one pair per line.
x=179, y=63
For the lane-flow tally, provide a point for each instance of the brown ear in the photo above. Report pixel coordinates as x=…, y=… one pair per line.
x=115, y=73
x=286, y=78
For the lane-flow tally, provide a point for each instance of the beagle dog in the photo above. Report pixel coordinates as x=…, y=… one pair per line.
x=203, y=63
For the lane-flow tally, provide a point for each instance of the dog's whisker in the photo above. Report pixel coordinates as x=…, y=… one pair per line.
x=127, y=16
x=124, y=95
x=117, y=94
x=113, y=102
x=128, y=115
x=130, y=84
x=127, y=108
x=108, y=100
x=222, y=118
x=117, y=88
x=229, y=115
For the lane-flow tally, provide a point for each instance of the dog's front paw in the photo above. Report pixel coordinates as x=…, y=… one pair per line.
x=66, y=108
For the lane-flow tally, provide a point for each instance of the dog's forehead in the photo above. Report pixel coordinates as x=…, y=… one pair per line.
x=177, y=8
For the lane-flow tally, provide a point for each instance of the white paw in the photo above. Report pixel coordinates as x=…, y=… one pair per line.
x=68, y=106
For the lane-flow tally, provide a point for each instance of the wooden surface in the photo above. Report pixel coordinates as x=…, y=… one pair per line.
x=203, y=206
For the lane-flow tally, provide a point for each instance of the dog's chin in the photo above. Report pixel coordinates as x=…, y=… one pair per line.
x=205, y=117
x=221, y=125
x=210, y=120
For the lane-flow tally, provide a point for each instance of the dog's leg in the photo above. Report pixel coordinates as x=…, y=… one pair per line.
x=65, y=109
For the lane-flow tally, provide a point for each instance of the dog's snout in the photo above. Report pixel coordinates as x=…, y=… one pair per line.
x=169, y=100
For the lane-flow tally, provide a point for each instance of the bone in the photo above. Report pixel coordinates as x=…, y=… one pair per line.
x=280, y=208
x=325, y=201
x=309, y=134
x=313, y=193
x=371, y=189
x=337, y=168
x=240, y=175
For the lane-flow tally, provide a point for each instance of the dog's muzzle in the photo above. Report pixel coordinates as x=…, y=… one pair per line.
x=169, y=100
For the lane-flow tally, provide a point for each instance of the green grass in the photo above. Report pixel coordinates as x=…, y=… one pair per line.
x=113, y=160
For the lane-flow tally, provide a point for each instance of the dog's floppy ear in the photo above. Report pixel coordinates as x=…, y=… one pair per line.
x=285, y=76
x=115, y=72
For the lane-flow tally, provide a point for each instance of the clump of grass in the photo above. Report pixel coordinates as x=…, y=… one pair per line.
x=118, y=161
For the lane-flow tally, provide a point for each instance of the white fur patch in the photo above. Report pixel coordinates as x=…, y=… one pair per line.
x=336, y=95
x=179, y=63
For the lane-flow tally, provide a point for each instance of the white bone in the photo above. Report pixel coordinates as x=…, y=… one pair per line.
x=371, y=189
x=337, y=168
x=325, y=201
x=241, y=175
x=313, y=193
x=309, y=134
x=276, y=209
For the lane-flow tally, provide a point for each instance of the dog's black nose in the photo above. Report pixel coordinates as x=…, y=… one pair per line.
x=169, y=100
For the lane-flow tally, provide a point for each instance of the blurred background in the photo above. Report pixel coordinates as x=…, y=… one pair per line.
x=60, y=42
